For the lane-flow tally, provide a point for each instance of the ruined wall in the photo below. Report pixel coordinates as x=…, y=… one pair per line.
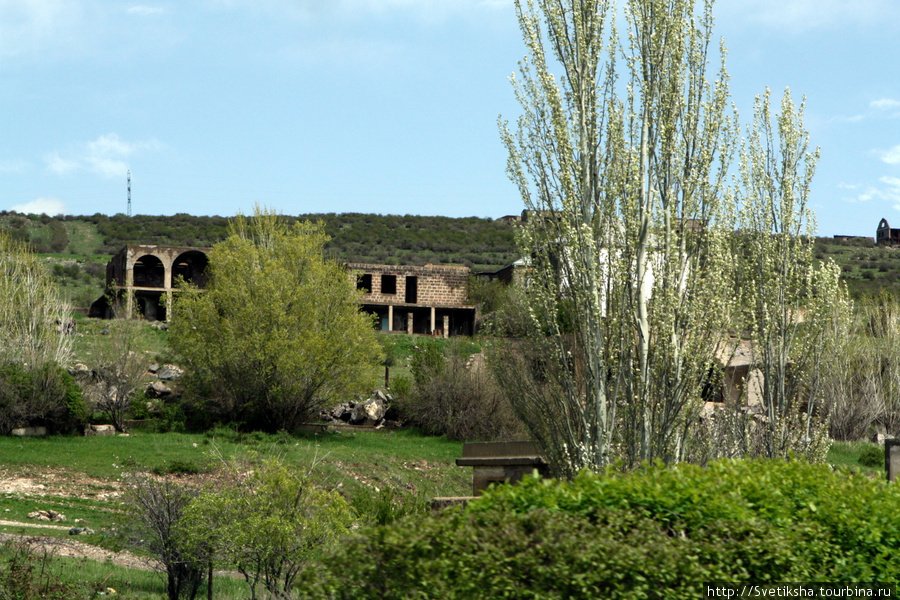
x=442, y=286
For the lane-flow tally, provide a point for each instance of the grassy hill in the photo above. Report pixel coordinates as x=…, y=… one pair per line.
x=388, y=239
x=78, y=247
x=865, y=267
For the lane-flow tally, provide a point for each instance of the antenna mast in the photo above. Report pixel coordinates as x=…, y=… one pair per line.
x=129, y=192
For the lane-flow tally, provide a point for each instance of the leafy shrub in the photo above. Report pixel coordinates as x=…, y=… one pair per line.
x=449, y=398
x=47, y=396
x=180, y=467
x=872, y=456
x=656, y=533
x=385, y=506
x=27, y=575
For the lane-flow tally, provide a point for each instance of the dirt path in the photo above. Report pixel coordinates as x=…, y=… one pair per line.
x=72, y=548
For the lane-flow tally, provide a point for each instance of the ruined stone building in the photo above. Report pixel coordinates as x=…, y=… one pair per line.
x=148, y=275
x=885, y=235
x=430, y=300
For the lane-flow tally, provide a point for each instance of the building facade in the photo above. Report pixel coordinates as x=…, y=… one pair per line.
x=148, y=275
x=429, y=300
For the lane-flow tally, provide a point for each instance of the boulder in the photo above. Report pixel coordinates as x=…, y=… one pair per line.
x=81, y=372
x=369, y=412
x=100, y=430
x=29, y=431
x=81, y=531
x=47, y=515
x=169, y=372
x=158, y=389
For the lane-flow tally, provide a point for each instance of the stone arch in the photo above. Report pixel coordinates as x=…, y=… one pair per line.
x=191, y=266
x=149, y=271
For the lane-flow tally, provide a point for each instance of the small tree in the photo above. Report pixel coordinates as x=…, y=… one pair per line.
x=277, y=334
x=121, y=367
x=791, y=304
x=31, y=310
x=267, y=523
x=34, y=387
x=157, y=512
x=626, y=227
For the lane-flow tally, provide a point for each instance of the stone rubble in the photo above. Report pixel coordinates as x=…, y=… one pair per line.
x=375, y=411
x=47, y=515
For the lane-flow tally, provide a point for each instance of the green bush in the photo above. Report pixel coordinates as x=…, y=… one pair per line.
x=657, y=533
x=449, y=398
x=46, y=396
x=872, y=456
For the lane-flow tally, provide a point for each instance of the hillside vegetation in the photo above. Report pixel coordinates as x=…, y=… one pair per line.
x=387, y=239
x=78, y=247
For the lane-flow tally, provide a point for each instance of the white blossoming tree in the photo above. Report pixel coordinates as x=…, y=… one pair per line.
x=622, y=161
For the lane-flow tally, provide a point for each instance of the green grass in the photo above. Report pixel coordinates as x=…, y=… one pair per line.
x=153, y=341
x=83, y=237
x=130, y=584
x=846, y=455
x=349, y=460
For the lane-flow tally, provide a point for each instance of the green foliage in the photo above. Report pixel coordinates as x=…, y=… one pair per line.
x=386, y=505
x=26, y=575
x=872, y=456
x=277, y=334
x=483, y=244
x=452, y=398
x=267, y=524
x=45, y=396
x=181, y=467
x=655, y=533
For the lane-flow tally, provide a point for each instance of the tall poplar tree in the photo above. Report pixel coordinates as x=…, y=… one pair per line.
x=621, y=169
x=622, y=160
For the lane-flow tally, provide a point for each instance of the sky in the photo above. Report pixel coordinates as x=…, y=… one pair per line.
x=376, y=106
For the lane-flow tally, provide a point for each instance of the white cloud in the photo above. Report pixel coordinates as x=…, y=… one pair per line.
x=885, y=104
x=106, y=156
x=46, y=206
x=142, y=10
x=892, y=156
x=888, y=192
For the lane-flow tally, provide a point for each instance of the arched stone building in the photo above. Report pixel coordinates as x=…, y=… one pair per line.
x=148, y=275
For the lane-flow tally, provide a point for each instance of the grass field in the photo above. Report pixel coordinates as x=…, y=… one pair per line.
x=82, y=478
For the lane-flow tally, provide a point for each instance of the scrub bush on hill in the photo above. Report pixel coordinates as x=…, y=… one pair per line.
x=452, y=399
x=45, y=396
x=656, y=533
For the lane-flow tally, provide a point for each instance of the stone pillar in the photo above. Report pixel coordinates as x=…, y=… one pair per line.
x=409, y=323
x=169, y=298
x=432, y=324
x=446, y=326
x=390, y=317
x=892, y=459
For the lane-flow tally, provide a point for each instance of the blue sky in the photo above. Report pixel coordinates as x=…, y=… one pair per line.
x=383, y=106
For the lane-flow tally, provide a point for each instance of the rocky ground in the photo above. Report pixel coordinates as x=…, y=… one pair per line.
x=60, y=484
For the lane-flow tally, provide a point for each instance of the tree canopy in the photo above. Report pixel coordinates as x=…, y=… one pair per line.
x=277, y=334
